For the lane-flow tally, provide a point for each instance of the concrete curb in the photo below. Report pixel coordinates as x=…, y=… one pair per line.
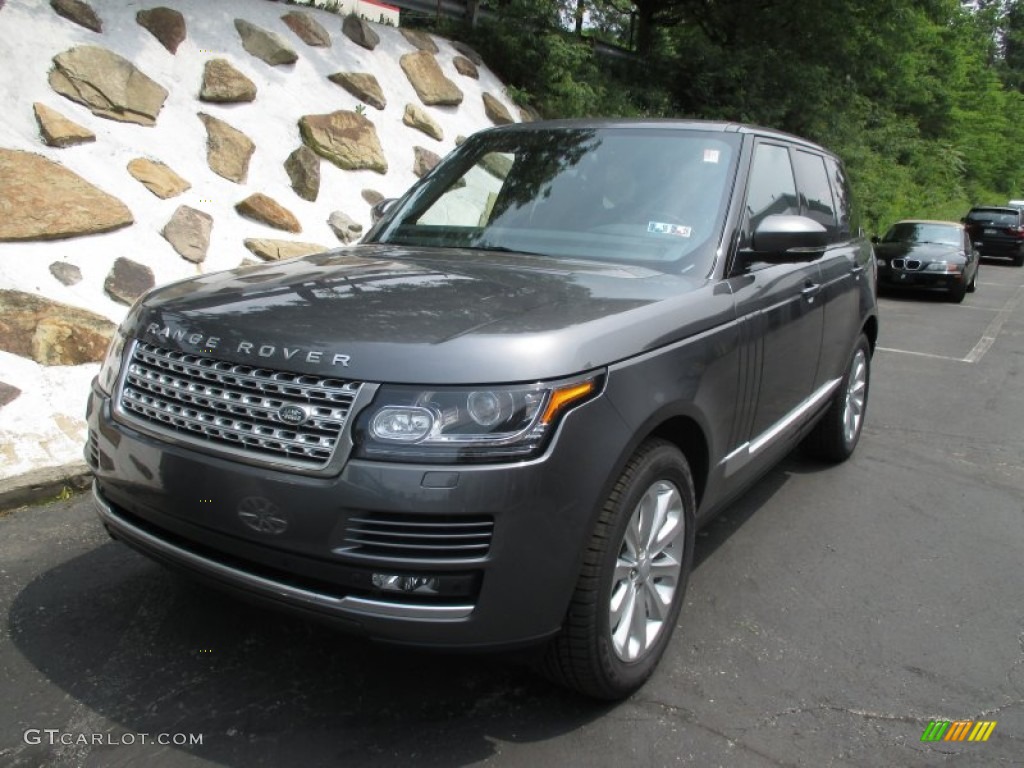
x=42, y=484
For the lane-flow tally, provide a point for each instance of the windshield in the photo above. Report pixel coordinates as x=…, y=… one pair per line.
x=654, y=197
x=923, y=232
x=993, y=216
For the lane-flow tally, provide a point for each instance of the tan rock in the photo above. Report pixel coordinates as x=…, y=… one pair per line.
x=417, y=118
x=360, y=32
x=347, y=139
x=267, y=210
x=362, y=85
x=43, y=200
x=265, y=45
x=496, y=111
x=372, y=196
x=419, y=39
x=165, y=24
x=466, y=67
x=57, y=130
x=429, y=81
x=127, y=280
x=188, y=232
x=79, y=12
x=49, y=332
x=223, y=84
x=345, y=227
x=228, y=150
x=278, y=250
x=157, y=177
x=424, y=161
x=468, y=52
x=109, y=85
x=303, y=169
x=308, y=29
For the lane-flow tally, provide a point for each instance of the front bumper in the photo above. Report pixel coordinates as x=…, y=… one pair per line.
x=287, y=539
x=895, y=278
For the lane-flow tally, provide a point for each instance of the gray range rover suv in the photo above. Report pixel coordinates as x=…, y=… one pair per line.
x=500, y=420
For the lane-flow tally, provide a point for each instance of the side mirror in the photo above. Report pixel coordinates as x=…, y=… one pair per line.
x=875, y=239
x=380, y=210
x=788, y=238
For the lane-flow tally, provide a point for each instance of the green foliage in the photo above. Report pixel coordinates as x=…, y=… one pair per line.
x=922, y=98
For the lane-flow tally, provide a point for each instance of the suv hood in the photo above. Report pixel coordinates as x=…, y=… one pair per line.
x=396, y=314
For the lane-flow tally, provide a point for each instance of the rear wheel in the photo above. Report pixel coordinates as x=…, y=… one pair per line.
x=1018, y=260
x=634, y=575
x=836, y=435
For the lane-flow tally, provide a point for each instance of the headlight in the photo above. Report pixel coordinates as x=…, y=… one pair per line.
x=111, y=367
x=945, y=266
x=489, y=423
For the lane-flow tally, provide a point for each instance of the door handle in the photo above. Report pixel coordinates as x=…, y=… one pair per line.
x=857, y=271
x=810, y=290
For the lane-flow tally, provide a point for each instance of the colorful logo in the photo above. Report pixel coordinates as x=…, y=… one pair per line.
x=958, y=730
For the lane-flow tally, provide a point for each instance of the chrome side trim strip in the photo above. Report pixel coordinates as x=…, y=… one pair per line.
x=353, y=606
x=740, y=457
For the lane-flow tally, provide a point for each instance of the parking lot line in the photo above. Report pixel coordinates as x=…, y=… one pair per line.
x=988, y=337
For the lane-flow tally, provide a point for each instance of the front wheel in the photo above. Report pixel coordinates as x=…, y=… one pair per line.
x=634, y=575
x=836, y=435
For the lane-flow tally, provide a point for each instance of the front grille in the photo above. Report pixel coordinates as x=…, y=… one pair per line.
x=419, y=537
x=216, y=404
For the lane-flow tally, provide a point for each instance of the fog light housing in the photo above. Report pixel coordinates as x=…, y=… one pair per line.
x=406, y=584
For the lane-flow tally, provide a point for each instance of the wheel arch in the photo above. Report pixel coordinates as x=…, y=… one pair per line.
x=688, y=436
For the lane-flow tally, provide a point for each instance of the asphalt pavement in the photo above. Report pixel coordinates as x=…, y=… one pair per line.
x=834, y=613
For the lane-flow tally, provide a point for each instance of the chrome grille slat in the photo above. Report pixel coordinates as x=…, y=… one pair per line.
x=214, y=403
x=421, y=537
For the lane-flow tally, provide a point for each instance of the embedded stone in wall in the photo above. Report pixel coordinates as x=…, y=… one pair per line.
x=345, y=227
x=49, y=332
x=79, y=12
x=223, y=84
x=466, y=67
x=8, y=393
x=228, y=150
x=423, y=161
x=303, y=168
x=157, y=177
x=417, y=118
x=267, y=210
x=67, y=274
x=360, y=32
x=362, y=85
x=347, y=139
x=309, y=30
x=188, y=232
x=57, y=131
x=267, y=46
x=496, y=111
x=277, y=250
x=43, y=200
x=109, y=85
x=165, y=24
x=372, y=196
x=429, y=81
x=528, y=114
x=127, y=280
x=419, y=39
x=468, y=52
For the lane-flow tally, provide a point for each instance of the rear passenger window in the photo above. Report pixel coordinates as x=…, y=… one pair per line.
x=815, y=192
x=841, y=193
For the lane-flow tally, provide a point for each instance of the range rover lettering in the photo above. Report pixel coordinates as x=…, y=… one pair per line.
x=500, y=420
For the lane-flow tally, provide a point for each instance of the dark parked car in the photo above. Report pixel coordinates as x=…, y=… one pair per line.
x=500, y=420
x=928, y=254
x=997, y=231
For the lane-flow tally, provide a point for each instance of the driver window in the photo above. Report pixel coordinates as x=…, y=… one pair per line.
x=772, y=189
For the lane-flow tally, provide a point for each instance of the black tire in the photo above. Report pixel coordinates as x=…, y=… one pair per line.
x=973, y=285
x=590, y=655
x=836, y=435
x=957, y=293
x=1018, y=260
